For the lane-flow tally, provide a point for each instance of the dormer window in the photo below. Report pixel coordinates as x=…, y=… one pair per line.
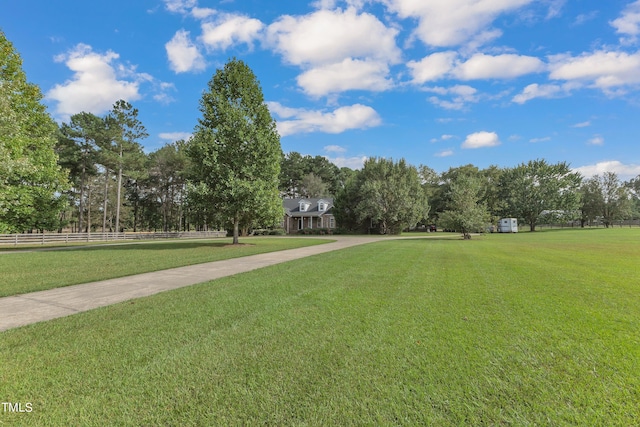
x=304, y=205
x=322, y=206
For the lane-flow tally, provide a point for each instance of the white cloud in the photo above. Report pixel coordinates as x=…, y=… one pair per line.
x=596, y=140
x=604, y=70
x=164, y=98
x=461, y=95
x=555, y=8
x=506, y=66
x=585, y=17
x=629, y=23
x=324, y=4
x=162, y=88
x=306, y=121
x=479, y=66
x=228, y=30
x=536, y=90
x=481, y=140
x=624, y=171
x=202, y=12
x=189, y=7
x=180, y=6
x=432, y=67
x=347, y=75
x=444, y=153
x=183, y=55
x=453, y=22
x=328, y=37
x=355, y=163
x=339, y=50
x=334, y=149
x=582, y=125
x=175, y=136
x=97, y=83
x=544, y=139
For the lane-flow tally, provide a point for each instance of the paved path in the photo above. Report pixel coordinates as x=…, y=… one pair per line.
x=20, y=310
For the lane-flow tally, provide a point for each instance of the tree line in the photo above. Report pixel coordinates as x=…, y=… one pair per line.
x=91, y=174
x=388, y=197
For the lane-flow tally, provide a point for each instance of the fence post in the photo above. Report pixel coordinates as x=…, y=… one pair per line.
x=16, y=237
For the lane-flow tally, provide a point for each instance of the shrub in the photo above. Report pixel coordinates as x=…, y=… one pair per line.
x=316, y=231
x=269, y=232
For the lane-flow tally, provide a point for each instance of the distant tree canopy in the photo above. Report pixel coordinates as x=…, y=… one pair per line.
x=384, y=195
x=79, y=154
x=31, y=181
x=236, y=150
x=605, y=197
x=531, y=188
x=301, y=176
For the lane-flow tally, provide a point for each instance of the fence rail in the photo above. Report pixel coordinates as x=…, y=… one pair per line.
x=599, y=224
x=45, y=238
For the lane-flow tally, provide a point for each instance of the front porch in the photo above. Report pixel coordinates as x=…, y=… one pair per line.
x=295, y=223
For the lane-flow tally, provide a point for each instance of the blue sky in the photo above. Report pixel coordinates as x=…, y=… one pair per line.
x=438, y=82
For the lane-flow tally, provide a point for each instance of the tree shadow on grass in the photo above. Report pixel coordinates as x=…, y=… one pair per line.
x=159, y=246
x=452, y=237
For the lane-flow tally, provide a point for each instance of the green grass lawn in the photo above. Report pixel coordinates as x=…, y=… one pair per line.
x=527, y=329
x=22, y=272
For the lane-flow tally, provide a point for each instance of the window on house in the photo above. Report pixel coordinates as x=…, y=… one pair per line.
x=332, y=222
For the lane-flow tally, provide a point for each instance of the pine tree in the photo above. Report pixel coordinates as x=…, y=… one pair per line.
x=128, y=129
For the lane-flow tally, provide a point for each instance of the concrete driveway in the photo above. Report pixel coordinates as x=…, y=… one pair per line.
x=20, y=310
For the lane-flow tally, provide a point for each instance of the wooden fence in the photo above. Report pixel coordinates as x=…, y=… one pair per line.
x=45, y=238
x=576, y=224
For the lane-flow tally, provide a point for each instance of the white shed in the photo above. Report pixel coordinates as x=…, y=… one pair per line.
x=508, y=225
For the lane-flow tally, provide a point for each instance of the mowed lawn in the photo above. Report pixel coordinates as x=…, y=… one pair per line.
x=22, y=272
x=529, y=329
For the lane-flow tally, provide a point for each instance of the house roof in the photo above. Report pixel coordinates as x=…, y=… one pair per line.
x=292, y=206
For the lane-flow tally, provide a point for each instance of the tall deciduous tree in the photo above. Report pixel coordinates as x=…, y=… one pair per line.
x=633, y=186
x=391, y=195
x=236, y=149
x=466, y=212
x=537, y=186
x=441, y=187
x=591, y=202
x=345, y=205
x=606, y=197
x=31, y=181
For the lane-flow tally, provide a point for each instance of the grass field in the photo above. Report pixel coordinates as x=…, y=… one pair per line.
x=528, y=329
x=23, y=272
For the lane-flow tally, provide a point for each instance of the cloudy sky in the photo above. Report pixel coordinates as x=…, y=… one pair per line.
x=438, y=82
